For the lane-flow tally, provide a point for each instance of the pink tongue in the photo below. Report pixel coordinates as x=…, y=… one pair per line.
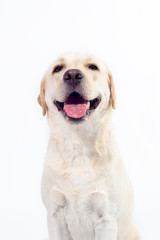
x=75, y=110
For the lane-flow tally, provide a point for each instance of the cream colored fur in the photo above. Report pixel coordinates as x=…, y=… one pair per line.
x=85, y=188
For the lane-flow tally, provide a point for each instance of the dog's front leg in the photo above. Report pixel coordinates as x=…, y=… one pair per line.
x=57, y=227
x=105, y=226
x=55, y=202
x=105, y=229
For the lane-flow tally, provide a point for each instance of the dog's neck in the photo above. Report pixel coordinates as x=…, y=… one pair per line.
x=86, y=139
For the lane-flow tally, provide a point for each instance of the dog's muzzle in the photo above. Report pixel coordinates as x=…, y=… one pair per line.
x=76, y=107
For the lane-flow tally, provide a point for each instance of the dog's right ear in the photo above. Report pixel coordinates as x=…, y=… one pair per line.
x=112, y=91
x=41, y=97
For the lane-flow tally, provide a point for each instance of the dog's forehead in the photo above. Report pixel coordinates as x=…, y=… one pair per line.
x=77, y=58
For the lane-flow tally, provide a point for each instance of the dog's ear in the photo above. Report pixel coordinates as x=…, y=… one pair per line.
x=41, y=97
x=112, y=91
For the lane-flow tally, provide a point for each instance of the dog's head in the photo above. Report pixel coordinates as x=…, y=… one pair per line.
x=77, y=87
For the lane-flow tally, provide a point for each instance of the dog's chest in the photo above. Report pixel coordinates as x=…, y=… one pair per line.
x=76, y=183
x=78, y=173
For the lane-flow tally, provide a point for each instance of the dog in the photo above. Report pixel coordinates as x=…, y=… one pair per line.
x=85, y=189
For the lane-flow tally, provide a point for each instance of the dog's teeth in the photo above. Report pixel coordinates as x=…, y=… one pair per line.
x=85, y=117
x=67, y=118
x=88, y=104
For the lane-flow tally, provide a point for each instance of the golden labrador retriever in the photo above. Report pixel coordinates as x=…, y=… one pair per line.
x=85, y=188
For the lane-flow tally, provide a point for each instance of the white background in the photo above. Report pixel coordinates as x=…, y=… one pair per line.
x=123, y=33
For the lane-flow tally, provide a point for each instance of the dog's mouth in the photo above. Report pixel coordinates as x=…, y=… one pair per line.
x=76, y=108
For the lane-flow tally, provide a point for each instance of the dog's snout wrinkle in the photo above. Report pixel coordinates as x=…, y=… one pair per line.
x=73, y=77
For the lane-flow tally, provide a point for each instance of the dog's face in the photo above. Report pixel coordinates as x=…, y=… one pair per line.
x=77, y=87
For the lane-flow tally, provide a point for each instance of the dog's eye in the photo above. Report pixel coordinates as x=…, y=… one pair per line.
x=93, y=67
x=57, y=69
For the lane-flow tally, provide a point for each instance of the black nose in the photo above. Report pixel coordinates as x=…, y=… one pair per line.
x=73, y=77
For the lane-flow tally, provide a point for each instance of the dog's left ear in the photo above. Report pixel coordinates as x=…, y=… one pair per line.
x=41, y=97
x=112, y=91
